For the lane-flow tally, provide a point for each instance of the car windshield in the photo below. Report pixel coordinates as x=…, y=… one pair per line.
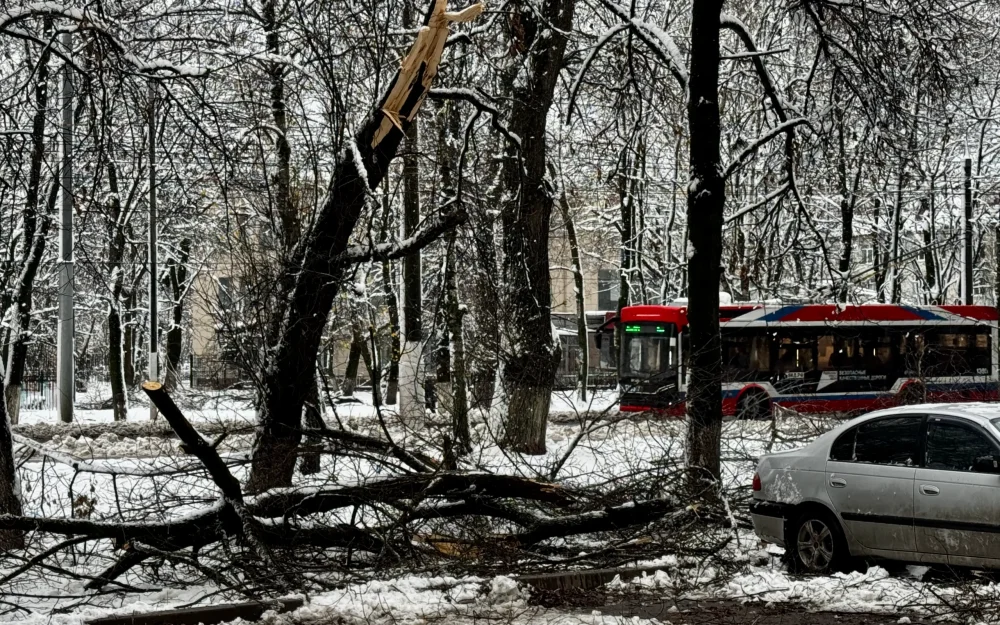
x=996, y=423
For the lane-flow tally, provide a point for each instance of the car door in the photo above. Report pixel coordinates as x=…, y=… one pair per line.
x=957, y=509
x=870, y=482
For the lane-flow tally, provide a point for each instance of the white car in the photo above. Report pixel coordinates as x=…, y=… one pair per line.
x=913, y=483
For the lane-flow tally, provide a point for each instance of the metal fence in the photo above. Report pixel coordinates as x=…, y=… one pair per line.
x=39, y=391
x=214, y=373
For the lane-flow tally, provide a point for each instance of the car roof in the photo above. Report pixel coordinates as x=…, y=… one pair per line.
x=980, y=412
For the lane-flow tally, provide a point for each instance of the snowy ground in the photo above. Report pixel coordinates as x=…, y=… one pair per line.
x=588, y=451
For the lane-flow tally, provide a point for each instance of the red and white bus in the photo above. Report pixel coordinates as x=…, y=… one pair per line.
x=815, y=357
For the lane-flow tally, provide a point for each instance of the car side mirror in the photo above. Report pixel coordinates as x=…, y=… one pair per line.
x=987, y=464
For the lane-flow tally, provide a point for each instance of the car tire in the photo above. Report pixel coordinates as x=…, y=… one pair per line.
x=815, y=544
x=754, y=406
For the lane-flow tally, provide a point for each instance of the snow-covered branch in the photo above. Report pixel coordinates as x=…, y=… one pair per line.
x=757, y=143
x=426, y=235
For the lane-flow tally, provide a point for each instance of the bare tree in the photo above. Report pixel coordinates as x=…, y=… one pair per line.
x=538, y=39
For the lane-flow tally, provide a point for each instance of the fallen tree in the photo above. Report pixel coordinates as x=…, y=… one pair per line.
x=258, y=545
x=324, y=254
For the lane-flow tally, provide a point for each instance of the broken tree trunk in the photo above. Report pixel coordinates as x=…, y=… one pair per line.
x=292, y=365
x=411, y=380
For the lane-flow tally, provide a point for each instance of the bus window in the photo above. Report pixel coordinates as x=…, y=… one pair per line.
x=877, y=353
x=795, y=356
x=958, y=351
x=745, y=355
x=982, y=355
x=837, y=352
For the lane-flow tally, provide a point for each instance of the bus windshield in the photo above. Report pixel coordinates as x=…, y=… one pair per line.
x=648, y=349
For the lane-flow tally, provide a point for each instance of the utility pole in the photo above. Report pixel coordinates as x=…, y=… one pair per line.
x=968, y=233
x=65, y=378
x=154, y=338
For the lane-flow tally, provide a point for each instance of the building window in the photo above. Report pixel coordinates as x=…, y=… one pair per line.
x=608, y=284
x=866, y=255
x=981, y=287
x=224, y=292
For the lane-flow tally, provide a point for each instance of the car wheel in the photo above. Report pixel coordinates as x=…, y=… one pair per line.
x=816, y=544
x=754, y=406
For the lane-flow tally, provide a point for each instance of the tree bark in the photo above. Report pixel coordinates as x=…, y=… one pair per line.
x=530, y=367
x=313, y=420
x=282, y=197
x=33, y=242
x=392, y=303
x=879, y=266
x=706, y=200
x=411, y=388
x=116, y=254
x=176, y=277
x=846, y=206
x=487, y=316
x=626, y=259
x=10, y=497
x=353, y=361
x=454, y=311
x=582, y=337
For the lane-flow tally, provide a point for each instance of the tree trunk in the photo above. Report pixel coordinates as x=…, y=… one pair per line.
x=392, y=303
x=313, y=419
x=176, y=276
x=706, y=200
x=18, y=351
x=454, y=312
x=282, y=197
x=930, y=273
x=116, y=254
x=877, y=253
x=529, y=372
x=582, y=338
x=292, y=366
x=411, y=382
x=897, y=227
x=411, y=387
x=353, y=361
x=10, y=496
x=33, y=238
x=846, y=207
x=487, y=311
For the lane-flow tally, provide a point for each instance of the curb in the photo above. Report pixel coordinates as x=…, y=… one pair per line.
x=208, y=615
x=582, y=580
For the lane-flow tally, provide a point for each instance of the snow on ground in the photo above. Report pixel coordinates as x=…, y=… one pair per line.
x=873, y=590
x=587, y=451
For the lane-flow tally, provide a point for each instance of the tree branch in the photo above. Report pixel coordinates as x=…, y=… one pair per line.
x=422, y=238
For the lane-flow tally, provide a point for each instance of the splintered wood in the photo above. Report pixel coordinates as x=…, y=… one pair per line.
x=419, y=66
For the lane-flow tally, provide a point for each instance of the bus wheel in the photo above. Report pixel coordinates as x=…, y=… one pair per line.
x=911, y=394
x=754, y=406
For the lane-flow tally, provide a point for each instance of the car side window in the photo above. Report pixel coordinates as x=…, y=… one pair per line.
x=843, y=448
x=893, y=441
x=954, y=447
